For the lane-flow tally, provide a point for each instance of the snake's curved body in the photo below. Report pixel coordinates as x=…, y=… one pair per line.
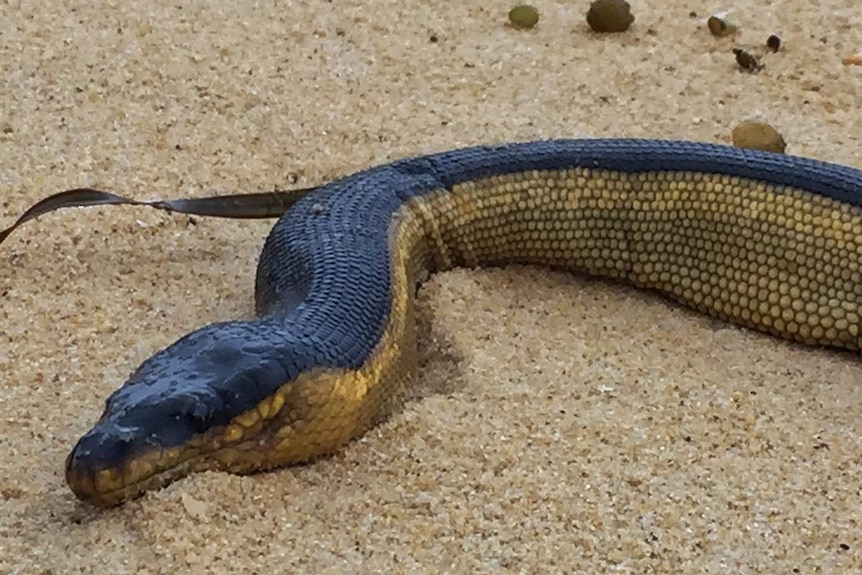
x=767, y=241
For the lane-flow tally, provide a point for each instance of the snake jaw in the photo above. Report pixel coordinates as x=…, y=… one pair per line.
x=112, y=463
x=108, y=487
x=104, y=483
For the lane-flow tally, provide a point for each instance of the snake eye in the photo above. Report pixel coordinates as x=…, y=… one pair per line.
x=195, y=414
x=186, y=414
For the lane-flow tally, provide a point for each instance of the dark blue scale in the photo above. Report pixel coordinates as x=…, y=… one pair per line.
x=323, y=280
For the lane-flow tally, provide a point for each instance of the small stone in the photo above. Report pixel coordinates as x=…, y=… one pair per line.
x=144, y=29
x=390, y=495
x=852, y=59
x=719, y=26
x=11, y=492
x=194, y=507
x=747, y=61
x=773, y=43
x=524, y=16
x=755, y=135
x=610, y=16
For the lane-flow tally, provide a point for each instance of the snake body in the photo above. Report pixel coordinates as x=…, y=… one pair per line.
x=767, y=241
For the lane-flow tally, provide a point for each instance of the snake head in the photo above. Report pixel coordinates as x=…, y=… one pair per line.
x=174, y=414
x=126, y=446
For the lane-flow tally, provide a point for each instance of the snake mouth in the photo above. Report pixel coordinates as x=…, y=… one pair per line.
x=104, y=481
x=107, y=486
x=129, y=478
x=111, y=486
x=110, y=465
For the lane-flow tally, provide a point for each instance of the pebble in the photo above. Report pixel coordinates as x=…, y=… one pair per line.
x=747, y=61
x=524, y=16
x=852, y=59
x=719, y=26
x=773, y=43
x=610, y=16
x=755, y=135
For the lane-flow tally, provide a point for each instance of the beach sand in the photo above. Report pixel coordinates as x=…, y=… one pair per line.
x=561, y=424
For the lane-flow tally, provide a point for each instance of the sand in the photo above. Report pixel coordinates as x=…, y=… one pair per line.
x=562, y=424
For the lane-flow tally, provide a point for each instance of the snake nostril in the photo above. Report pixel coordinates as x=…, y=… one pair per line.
x=106, y=446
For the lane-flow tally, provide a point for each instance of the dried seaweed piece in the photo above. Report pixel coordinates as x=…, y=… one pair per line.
x=235, y=206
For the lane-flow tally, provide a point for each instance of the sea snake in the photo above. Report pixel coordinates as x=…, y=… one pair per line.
x=763, y=240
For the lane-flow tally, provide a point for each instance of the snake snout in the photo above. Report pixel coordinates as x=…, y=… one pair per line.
x=103, y=447
x=94, y=465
